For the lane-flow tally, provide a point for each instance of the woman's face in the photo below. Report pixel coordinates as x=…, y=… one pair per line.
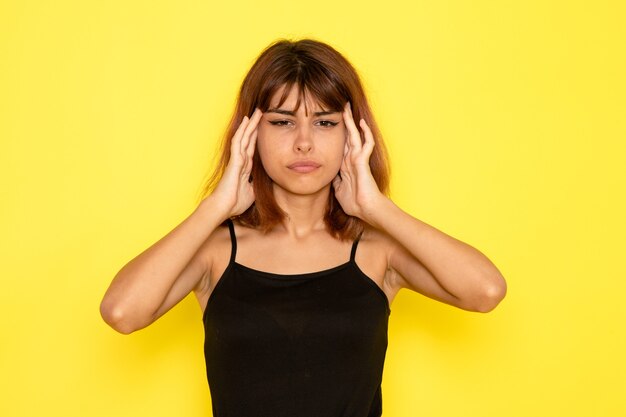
x=287, y=136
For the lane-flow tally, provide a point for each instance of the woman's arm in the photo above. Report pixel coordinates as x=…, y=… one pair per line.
x=422, y=258
x=162, y=275
x=158, y=278
x=435, y=264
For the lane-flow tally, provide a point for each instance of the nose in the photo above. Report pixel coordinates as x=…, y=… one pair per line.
x=303, y=141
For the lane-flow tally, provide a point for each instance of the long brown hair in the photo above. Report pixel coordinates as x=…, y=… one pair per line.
x=317, y=69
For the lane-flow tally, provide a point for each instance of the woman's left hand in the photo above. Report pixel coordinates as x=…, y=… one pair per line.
x=355, y=187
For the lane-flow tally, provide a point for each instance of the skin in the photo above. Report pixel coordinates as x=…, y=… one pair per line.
x=396, y=249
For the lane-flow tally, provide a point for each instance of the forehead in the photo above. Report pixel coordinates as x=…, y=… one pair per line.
x=293, y=96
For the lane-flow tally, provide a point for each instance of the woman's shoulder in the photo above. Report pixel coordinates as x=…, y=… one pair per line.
x=375, y=236
x=217, y=244
x=374, y=241
x=221, y=234
x=221, y=240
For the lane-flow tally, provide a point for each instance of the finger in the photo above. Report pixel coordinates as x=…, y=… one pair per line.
x=248, y=154
x=252, y=145
x=349, y=124
x=354, y=136
x=254, y=120
x=236, y=139
x=336, y=181
x=346, y=163
x=368, y=147
x=345, y=167
x=247, y=145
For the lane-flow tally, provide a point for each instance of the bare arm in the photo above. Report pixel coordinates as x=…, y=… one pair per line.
x=158, y=278
x=421, y=257
x=437, y=265
x=142, y=290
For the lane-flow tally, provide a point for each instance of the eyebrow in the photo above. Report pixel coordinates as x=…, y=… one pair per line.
x=292, y=113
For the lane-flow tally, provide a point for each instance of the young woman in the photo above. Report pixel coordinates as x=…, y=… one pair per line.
x=295, y=316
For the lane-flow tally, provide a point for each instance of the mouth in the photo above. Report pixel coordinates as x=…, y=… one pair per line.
x=304, y=166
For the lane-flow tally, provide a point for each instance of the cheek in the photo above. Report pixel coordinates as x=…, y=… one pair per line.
x=334, y=159
x=269, y=153
x=269, y=137
x=337, y=150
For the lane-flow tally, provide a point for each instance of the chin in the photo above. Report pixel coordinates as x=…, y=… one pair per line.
x=302, y=188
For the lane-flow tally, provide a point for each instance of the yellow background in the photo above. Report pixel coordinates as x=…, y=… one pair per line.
x=506, y=127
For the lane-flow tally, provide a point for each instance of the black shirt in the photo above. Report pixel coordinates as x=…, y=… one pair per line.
x=297, y=345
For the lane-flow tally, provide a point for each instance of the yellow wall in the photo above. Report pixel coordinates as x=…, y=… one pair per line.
x=506, y=127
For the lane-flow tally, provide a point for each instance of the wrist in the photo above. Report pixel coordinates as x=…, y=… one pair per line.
x=376, y=211
x=212, y=211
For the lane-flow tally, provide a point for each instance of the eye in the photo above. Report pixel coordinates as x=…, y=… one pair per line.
x=328, y=123
x=279, y=122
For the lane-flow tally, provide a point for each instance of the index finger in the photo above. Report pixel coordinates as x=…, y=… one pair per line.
x=254, y=121
x=354, y=137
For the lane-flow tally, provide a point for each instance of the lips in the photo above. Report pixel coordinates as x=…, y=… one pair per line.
x=304, y=163
x=304, y=166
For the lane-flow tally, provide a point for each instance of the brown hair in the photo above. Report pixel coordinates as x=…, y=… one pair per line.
x=318, y=69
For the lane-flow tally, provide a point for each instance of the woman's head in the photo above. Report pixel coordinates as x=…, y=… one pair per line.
x=308, y=73
x=289, y=133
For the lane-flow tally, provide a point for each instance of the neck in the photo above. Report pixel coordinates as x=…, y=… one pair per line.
x=305, y=213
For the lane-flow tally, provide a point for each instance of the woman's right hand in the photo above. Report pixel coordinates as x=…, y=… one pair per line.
x=234, y=193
